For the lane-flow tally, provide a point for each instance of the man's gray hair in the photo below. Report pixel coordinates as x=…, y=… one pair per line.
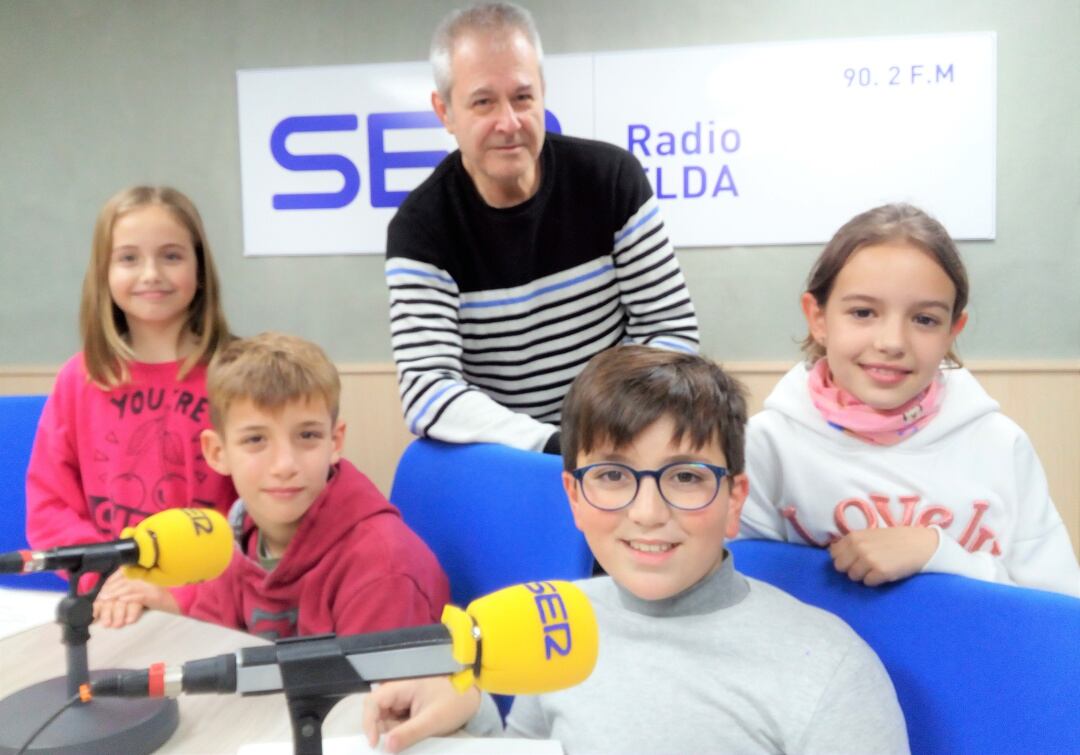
x=488, y=18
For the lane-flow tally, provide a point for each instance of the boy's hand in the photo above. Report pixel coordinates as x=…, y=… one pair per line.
x=122, y=600
x=879, y=555
x=415, y=709
x=116, y=613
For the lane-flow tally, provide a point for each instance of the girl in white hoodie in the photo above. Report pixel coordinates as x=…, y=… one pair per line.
x=872, y=450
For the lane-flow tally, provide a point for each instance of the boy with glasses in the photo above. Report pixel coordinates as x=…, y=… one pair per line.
x=694, y=657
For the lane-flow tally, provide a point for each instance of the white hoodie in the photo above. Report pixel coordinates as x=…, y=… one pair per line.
x=971, y=473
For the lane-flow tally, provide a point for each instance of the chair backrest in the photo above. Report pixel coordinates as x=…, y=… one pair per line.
x=978, y=667
x=18, y=424
x=493, y=515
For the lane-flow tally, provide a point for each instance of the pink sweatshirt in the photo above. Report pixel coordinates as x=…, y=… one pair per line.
x=105, y=460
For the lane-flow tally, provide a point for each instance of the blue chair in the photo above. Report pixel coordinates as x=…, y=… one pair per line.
x=493, y=515
x=18, y=423
x=978, y=667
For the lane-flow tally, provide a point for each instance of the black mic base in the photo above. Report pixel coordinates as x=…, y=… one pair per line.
x=103, y=726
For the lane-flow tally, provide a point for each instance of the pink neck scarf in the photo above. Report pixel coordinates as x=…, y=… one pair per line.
x=884, y=428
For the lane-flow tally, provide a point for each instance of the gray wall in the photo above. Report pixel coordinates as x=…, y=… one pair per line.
x=95, y=96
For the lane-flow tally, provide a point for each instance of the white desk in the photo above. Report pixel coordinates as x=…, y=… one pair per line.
x=208, y=723
x=23, y=609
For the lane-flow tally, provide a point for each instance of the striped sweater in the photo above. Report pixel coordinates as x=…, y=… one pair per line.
x=494, y=311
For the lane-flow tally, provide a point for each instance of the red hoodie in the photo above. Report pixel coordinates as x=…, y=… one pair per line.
x=352, y=567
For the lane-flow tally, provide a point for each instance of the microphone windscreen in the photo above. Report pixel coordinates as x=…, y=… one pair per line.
x=535, y=637
x=180, y=547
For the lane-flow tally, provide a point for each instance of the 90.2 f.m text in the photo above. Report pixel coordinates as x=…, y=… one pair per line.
x=893, y=76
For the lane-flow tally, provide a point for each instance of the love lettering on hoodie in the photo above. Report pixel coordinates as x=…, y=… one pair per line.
x=877, y=513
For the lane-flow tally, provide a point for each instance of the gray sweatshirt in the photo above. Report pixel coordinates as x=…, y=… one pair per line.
x=731, y=665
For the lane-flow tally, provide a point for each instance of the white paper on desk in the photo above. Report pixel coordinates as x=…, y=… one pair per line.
x=23, y=609
x=433, y=746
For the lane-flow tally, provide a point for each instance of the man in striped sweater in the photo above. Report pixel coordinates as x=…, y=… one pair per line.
x=523, y=254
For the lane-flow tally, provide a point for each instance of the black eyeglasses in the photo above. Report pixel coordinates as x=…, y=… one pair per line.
x=684, y=485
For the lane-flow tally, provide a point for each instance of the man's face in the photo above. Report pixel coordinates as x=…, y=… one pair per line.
x=496, y=114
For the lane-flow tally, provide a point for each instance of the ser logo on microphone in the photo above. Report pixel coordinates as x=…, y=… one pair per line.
x=200, y=520
x=551, y=608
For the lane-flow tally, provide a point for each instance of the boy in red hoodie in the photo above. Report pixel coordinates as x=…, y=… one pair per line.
x=319, y=549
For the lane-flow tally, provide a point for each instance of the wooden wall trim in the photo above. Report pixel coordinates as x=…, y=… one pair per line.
x=984, y=366
x=1042, y=396
x=779, y=368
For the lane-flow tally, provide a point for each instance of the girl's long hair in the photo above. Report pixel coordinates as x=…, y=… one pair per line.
x=102, y=324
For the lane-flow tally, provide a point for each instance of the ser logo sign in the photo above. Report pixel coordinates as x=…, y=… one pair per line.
x=380, y=160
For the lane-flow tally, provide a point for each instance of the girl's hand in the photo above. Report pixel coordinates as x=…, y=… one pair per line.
x=886, y=554
x=415, y=709
x=122, y=601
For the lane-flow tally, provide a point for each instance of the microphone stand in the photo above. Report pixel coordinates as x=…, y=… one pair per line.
x=317, y=671
x=316, y=675
x=100, y=726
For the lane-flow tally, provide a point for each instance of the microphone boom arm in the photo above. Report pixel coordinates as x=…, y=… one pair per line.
x=314, y=672
x=380, y=656
x=317, y=672
x=524, y=639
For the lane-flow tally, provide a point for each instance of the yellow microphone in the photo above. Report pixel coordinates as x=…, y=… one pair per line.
x=180, y=547
x=526, y=639
x=170, y=548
